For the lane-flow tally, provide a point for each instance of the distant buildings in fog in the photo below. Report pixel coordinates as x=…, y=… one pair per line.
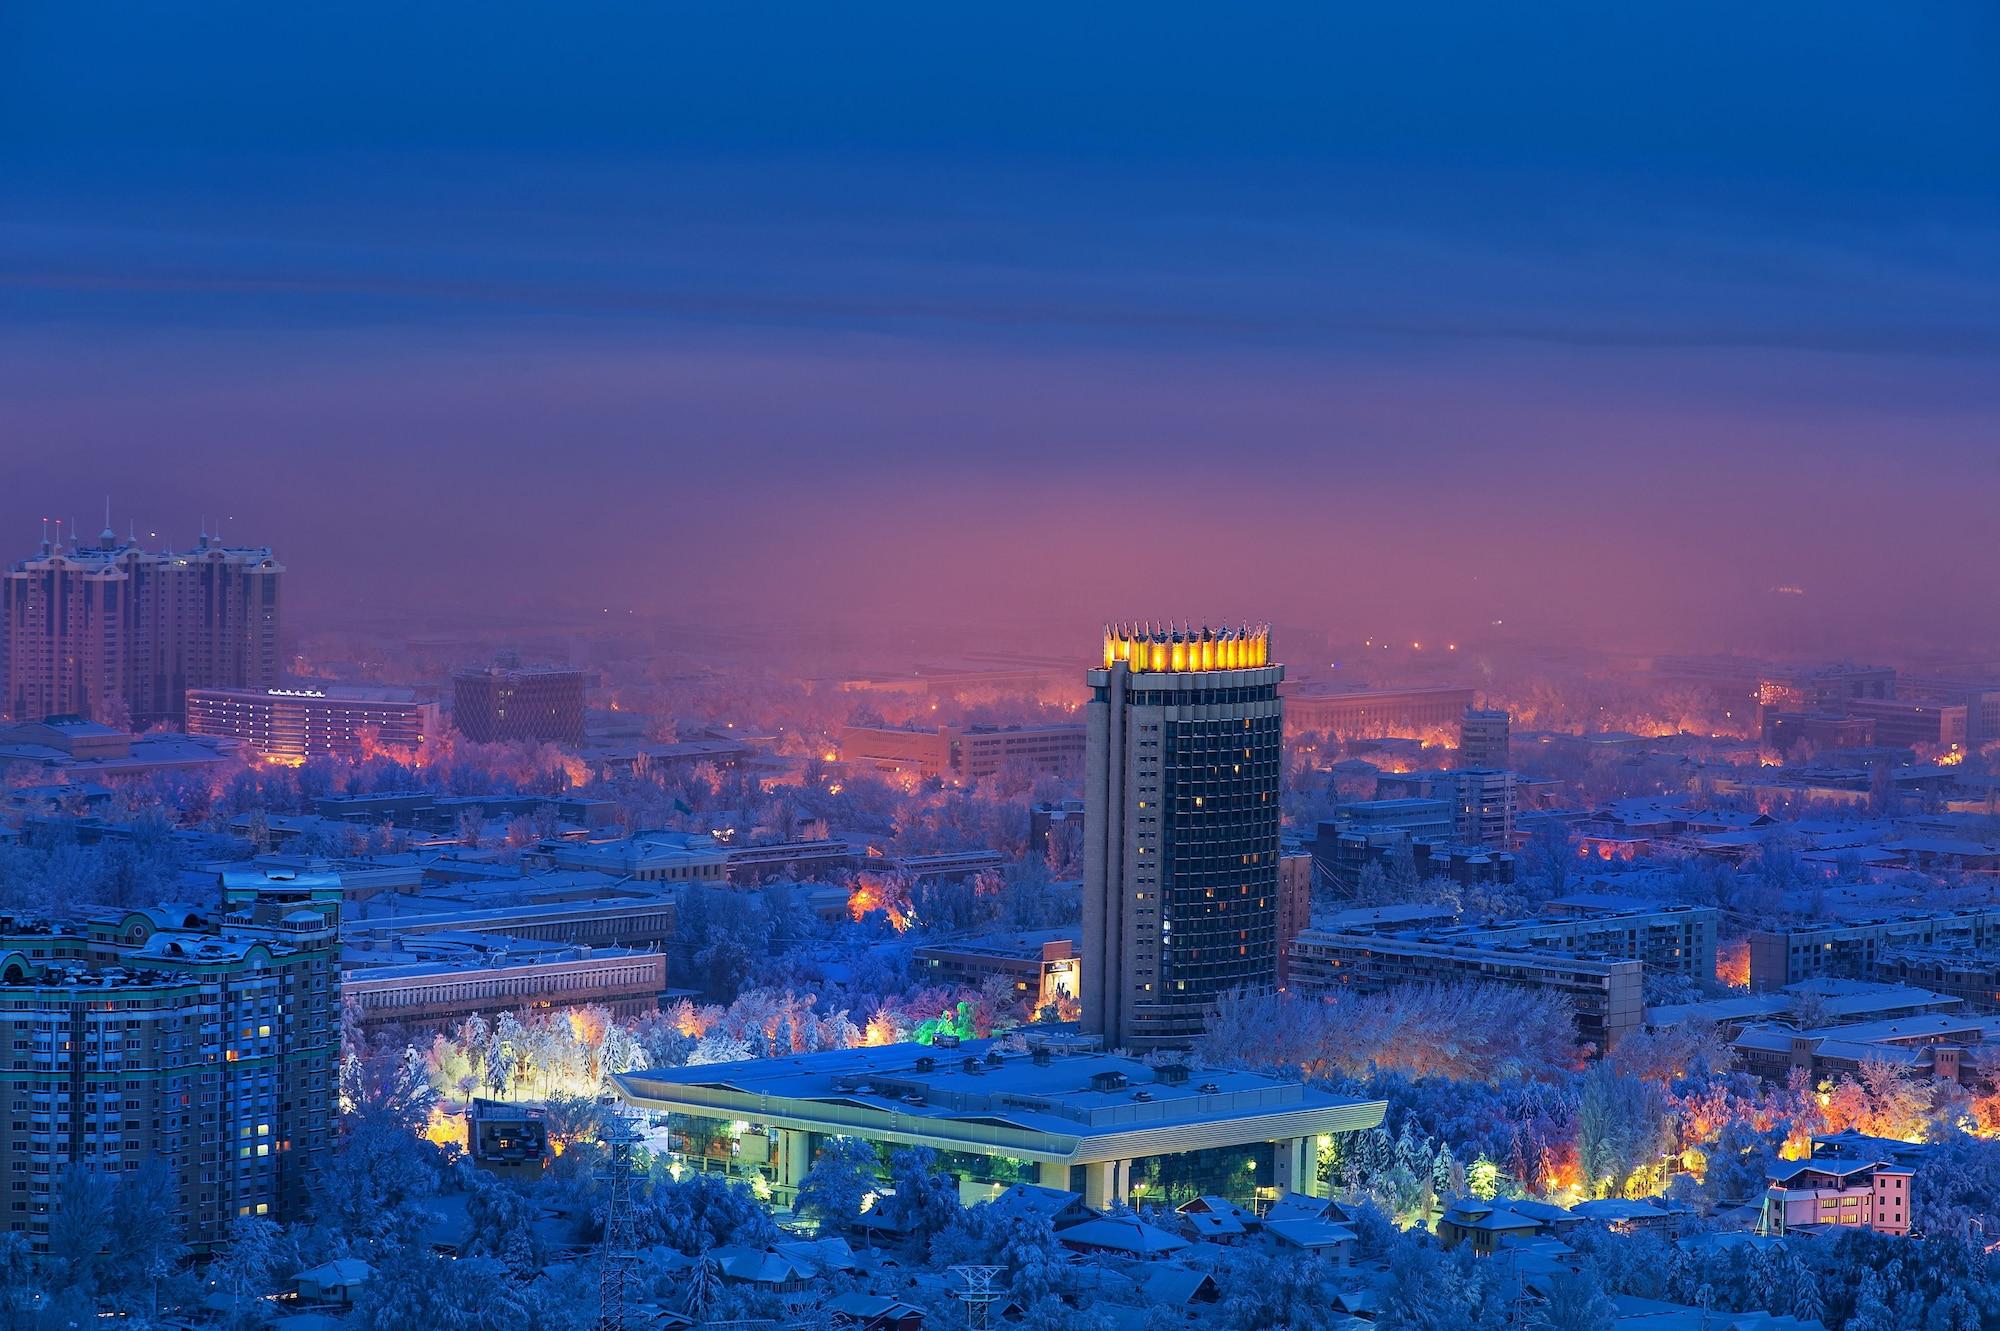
x=1368, y=713
x=310, y=720
x=963, y=755
x=1483, y=737
x=508, y=702
x=119, y=634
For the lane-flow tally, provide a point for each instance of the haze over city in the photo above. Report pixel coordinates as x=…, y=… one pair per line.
x=1417, y=321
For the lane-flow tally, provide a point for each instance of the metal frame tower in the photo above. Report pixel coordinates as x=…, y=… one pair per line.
x=617, y=1254
x=978, y=1296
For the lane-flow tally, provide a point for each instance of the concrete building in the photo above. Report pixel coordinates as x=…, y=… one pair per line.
x=1606, y=991
x=427, y=981
x=1370, y=713
x=204, y=1040
x=1408, y=817
x=1111, y=1128
x=942, y=865
x=1954, y=1046
x=756, y=864
x=1040, y=966
x=1481, y=799
x=1483, y=737
x=1181, y=847
x=1972, y=977
x=964, y=756
x=295, y=723
x=648, y=857
x=119, y=634
x=1607, y=994
x=578, y=910
x=1832, y=688
x=1902, y=723
x=1295, y=903
x=1410, y=834
x=1849, y=949
x=1836, y=1001
x=1672, y=940
x=70, y=750
x=508, y=702
x=1822, y=731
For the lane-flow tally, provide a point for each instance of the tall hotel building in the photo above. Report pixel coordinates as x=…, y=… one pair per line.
x=1181, y=827
x=119, y=634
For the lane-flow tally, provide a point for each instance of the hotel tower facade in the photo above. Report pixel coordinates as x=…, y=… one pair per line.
x=1181, y=821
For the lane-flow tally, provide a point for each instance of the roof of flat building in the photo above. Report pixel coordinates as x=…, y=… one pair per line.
x=1072, y=1107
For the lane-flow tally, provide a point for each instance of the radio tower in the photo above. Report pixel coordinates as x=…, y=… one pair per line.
x=616, y=1254
x=978, y=1296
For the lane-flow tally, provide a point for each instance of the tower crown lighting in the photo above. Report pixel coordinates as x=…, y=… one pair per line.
x=1160, y=648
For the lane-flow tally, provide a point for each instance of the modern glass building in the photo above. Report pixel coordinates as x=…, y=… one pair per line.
x=1181, y=825
x=1061, y=1114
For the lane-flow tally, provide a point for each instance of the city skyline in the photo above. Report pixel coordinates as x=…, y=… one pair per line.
x=1315, y=667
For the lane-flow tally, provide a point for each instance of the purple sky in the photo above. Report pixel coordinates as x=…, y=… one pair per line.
x=1604, y=329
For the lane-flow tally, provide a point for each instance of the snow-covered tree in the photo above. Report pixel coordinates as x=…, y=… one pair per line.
x=842, y=1175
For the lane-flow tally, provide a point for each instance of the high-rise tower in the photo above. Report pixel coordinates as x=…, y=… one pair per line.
x=1181, y=818
x=119, y=634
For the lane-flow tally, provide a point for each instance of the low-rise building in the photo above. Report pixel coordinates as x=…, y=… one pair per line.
x=964, y=755
x=1849, y=1001
x=941, y=865
x=756, y=864
x=648, y=857
x=1592, y=948
x=1827, y=1193
x=1039, y=966
x=301, y=721
x=1954, y=1047
x=1070, y=1117
x=1849, y=949
x=1365, y=713
x=1973, y=977
x=1481, y=800
x=435, y=980
x=1606, y=992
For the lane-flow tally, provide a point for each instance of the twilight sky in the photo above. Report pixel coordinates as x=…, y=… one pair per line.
x=1606, y=319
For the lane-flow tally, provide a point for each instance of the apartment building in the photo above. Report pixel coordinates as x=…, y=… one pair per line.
x=206, y=1040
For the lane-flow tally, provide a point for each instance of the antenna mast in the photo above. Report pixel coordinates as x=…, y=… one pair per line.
x=616, y=1254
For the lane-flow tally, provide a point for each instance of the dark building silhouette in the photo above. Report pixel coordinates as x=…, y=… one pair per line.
x=508, y=701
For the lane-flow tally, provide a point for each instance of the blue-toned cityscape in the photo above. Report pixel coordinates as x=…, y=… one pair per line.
x=784, y=667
